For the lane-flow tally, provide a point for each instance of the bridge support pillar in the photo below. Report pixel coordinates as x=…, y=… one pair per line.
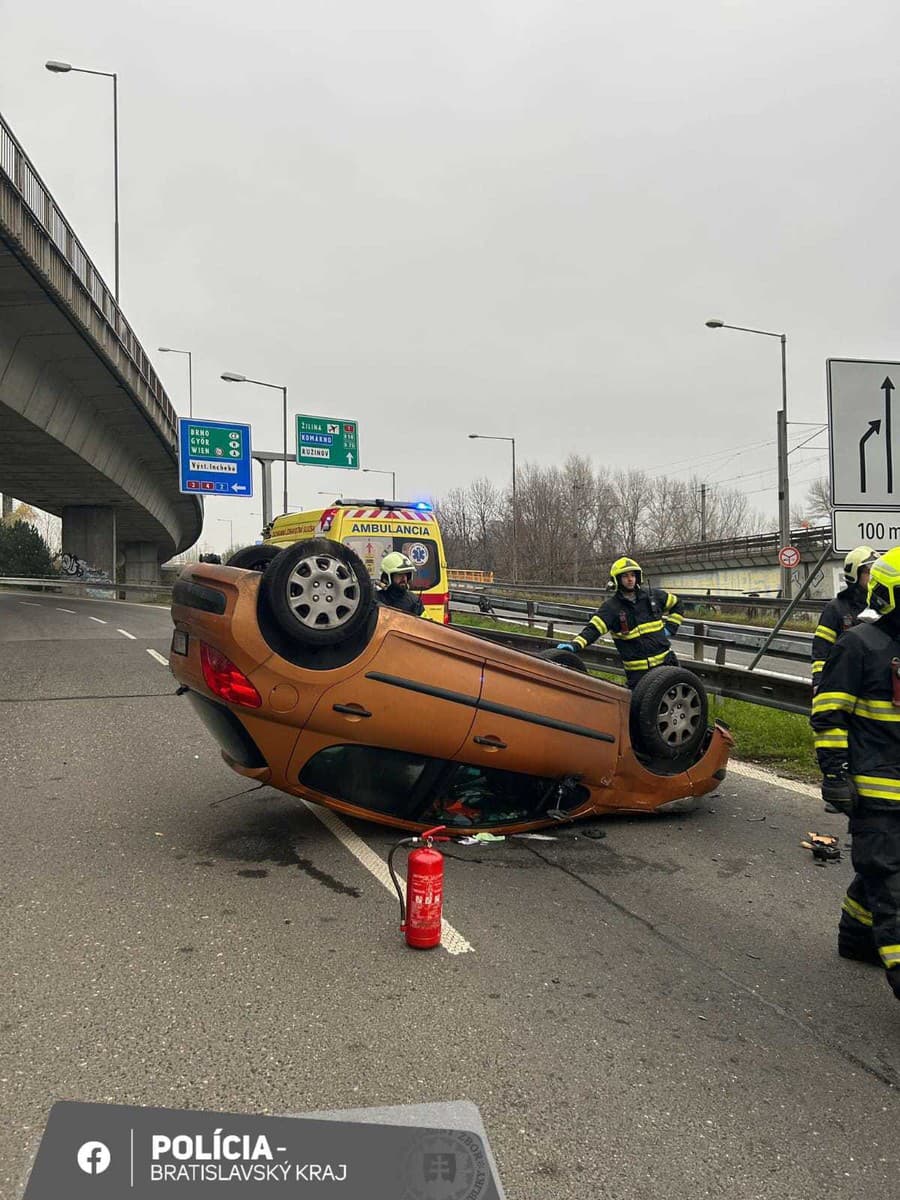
x=141, y=564
x=89, y=534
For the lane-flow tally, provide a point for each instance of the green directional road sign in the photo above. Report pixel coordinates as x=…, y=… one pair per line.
x=327, y=442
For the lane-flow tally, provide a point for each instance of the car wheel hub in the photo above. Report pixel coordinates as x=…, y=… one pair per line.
x=323, y=592
x=679, y=714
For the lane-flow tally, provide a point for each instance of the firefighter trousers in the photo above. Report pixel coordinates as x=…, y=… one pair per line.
x=633, y=678
x=870, y=913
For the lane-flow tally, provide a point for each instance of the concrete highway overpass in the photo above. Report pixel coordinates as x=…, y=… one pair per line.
x=86, y=429
x=747, y=564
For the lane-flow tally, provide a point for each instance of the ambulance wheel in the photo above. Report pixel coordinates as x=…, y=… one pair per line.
x=565, y=658
x=253, y=558
x=668, y=713
x=319, y=592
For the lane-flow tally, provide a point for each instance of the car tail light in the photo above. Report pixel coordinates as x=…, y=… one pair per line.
x=224, y=678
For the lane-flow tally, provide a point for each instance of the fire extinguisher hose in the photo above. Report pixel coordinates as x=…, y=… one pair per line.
x=411, y=841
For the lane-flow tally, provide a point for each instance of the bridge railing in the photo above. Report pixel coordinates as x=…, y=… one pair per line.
x=94, y=296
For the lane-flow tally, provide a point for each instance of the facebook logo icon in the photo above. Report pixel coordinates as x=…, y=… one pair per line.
x=93, y=1158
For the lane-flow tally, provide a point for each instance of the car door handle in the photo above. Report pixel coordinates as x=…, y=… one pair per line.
x=493, y=742
x=352, y=710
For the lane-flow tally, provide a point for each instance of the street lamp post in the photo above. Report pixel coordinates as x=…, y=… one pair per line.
x=169, y=350
x=488, y=437
x=63, y=68
x=230, y=377
x=393, y=475
x=784, y=500
x=230, y=523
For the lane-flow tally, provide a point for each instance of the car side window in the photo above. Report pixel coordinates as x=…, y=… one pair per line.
x=368, y=776
x=431, y=790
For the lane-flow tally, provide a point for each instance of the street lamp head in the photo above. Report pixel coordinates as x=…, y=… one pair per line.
x=474, y=435
x=58, y=67
x=713, y=323
x=230, y=377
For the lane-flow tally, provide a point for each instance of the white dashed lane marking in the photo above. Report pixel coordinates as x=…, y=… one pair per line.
x=159, y=657
x=68, y=610
x=99, y=620
x=125, y=633
x=30, y=604
x=451, y=940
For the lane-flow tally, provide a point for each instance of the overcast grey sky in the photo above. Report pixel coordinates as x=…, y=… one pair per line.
x=506, y=217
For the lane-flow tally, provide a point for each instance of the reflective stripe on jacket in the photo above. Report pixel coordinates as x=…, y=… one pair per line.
x=838, y=615
x=856, y=723
x=640, y=628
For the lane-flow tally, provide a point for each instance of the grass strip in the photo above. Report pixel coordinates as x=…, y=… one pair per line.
x=782, y=741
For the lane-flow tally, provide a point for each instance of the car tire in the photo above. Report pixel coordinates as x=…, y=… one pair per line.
x=564, y=658
x=319, y=592
x=668, y=714
x=253, y=558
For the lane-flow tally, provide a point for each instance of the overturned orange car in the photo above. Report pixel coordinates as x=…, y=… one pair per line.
x=310, y=686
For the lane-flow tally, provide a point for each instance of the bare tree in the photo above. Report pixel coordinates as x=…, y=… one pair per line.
x=816, y=508
x=574, y=520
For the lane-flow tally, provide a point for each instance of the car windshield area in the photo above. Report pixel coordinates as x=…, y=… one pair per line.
x=414, y=787
x=423, y=552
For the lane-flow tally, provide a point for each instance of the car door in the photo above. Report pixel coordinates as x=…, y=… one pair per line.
x=417, y=694
x=544, y=721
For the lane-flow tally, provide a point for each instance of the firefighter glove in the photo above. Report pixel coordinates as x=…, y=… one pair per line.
x=566, y=646
x=837, y=793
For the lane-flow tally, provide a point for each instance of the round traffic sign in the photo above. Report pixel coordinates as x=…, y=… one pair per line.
x=789, y=556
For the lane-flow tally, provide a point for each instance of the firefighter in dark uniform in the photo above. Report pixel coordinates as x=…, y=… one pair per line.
x=640, y=620
x=397, y=573
x=856, y=719
x=842, y=613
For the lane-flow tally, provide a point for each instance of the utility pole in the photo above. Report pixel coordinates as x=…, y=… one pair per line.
x=577, y=490
x=702, y=512
x=784, y=497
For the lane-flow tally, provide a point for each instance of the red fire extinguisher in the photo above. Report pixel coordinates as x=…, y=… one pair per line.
x=420, y=912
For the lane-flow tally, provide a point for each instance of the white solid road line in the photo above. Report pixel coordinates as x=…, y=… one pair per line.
x=451, y=940
x=68, y=610
x=761, y=775
x=99, y=620
x=125, y=633
x=159, y=657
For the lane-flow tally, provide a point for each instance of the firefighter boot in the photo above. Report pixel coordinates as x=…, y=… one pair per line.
x=857, y=948
x=855, y=939
x=893, y=976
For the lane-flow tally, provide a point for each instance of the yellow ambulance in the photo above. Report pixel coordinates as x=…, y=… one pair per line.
x=372, y=529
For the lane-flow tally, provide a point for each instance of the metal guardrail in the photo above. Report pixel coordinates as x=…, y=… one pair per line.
x=52, y=242
x=82, y=585
x=691, y=599
x=790, y=646
x=787, y=693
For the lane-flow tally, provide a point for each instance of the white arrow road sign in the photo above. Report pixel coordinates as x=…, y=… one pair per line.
x=864, y=433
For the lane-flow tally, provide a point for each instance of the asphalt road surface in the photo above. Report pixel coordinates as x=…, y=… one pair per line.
x=657, y=1012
